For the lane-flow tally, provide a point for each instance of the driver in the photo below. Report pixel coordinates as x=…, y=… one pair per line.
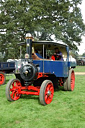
x=57, y=55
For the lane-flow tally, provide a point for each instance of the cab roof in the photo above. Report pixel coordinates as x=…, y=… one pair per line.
x=46, y=43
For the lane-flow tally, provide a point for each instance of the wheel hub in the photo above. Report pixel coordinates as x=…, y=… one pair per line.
x=49, y=93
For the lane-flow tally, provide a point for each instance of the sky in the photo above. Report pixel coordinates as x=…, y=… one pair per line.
x=82, y=46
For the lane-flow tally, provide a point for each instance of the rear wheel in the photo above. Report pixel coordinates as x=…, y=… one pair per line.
x=69, y=83
x=46, y=92
x=2, y=78
x=13, y=89
x=71, y=80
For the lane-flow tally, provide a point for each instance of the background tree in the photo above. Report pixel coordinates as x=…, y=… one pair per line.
x=43, y=18
x=83, y=54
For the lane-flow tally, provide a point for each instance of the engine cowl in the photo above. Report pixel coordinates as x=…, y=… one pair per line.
x=28, y=72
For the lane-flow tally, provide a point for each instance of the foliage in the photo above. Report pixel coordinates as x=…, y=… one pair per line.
x=1, y=57
x=67, y=109
x=43, y=18
x=74, y=54
x=83, y=54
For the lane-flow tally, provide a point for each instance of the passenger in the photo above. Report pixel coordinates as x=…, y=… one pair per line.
x=37, y=53
x=57, y=55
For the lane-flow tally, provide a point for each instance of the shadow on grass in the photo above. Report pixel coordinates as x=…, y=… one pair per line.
x=6, y=81
x=34, y=97
x=29, y=97
x=59, y=89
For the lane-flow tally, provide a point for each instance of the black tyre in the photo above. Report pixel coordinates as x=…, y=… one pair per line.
x=2, y=78
x=69, y=83
x=13, y=89
x=46, y=92
x=66, y=84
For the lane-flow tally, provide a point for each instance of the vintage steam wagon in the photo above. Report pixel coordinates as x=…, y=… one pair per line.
x=39, y=74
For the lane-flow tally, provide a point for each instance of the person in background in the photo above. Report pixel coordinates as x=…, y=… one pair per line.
x=57, y=55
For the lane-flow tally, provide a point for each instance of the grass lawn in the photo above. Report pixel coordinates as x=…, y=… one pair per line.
x=80, y=69
x=67, y=109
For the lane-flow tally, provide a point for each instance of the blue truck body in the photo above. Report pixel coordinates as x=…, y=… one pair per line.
x=59, y=68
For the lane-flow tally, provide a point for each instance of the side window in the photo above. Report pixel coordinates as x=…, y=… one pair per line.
x=64, y=54
x=49, y=53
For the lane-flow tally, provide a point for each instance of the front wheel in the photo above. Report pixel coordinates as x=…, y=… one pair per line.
x=13, y=89
x=46, y=92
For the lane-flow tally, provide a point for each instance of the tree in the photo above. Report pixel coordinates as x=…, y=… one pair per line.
x=83, y=54
x=1, y=57
x=43, y=18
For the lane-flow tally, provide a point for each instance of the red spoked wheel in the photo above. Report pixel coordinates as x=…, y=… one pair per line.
x=2, y=78
x=13, y=89
x=46, y=92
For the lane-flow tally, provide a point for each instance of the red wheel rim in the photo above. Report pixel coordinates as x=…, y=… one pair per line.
x=2, y=78
x=49, y=91
x=72, y=80
x=15, y=90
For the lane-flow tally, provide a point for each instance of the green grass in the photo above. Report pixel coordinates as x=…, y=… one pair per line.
x=67, y=109
x=80, y=69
